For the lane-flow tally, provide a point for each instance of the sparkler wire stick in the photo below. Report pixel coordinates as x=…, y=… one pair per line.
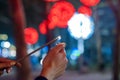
x=50, y=42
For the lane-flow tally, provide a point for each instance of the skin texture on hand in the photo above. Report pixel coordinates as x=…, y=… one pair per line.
x=55, y=63
x=7, y=64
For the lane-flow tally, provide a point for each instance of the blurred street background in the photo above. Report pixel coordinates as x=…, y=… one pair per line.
x=73, y=75
x=90, y=29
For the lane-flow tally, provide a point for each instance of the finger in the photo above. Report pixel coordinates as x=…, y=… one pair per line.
x=62, y=51
x=18, y=65
x=5, y=60
x=58, y=47
x=8, y=69
x=4, y=65
x=14, y=63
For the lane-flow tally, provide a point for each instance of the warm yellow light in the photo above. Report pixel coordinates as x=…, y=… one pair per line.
x=3, y=36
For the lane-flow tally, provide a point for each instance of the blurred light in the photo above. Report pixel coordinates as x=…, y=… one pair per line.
x=90, y=2
x=5, y=52
x=0, y=51
x=43, y=56
x=105, y=32
x=30, y=50
x=107, y=50
x=12, y=47
x=31, y=35
x=5, y=44
x=52, y=21
x=3, y=36
x=41, y=61
x=81, y=45
x=75, y=54
x=43, y=27
x=80, y=26
x=63, y=11
x=85, y=10
x=52, y=0
x=12, y=53
x=35, y=54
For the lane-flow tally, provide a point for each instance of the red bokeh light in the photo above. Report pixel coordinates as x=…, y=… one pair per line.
x=52, y=21
x=31, y=35
x=85, y=10
x=90, y=2
x=43, y=27
x=63, y=10
x=52, y=0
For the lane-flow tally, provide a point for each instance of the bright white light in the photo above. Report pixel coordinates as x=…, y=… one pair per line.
x=5, y=44
x=80, y=26
x=43, y=56
x=41, y=62
x=59, y=37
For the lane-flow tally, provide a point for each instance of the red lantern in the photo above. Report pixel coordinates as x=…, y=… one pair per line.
x=43, y=27
x=85, y=10
x=90, y=2
x=52, y=0
x=31, y=35
x=63, y=10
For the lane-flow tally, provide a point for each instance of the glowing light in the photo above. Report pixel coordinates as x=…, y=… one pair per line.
x=90, y=2
x=41, y=61
x=59, y=37
x=43, y=56
x=0, y=51
x=31, y=35
x=5, y=44
x=12, y=53
x=81, y=45
x=52, y=21
x=52, y=0
x=30, y=50
x=35, y=54
x=85, y=10
x=63, y=10
x=80, y=26
x=12, y=47
x=5, y=52
x=43, y=27
x=75, y=54
x=3, y=36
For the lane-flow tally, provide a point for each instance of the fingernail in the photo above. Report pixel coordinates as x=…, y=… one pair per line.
x=64, y=44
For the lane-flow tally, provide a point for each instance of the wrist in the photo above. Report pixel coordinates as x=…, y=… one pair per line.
x=41, y=78
x=47, y=73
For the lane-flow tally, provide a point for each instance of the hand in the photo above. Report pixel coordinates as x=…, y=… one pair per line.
x=7, y=64
x=54, y=64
